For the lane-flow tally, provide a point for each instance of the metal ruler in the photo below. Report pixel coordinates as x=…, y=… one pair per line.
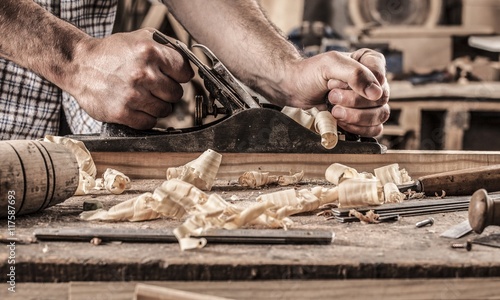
x=238, y=236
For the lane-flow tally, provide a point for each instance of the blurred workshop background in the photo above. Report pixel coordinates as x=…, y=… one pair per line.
x=442, y=59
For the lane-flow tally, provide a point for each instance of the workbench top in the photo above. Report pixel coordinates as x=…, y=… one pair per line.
x=386, y=250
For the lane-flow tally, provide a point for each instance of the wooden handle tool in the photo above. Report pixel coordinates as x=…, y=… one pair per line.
x=459, y=182
x=34, y=175
x=483, y=211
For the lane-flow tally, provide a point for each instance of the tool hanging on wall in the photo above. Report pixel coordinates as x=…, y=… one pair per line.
x=247, y=125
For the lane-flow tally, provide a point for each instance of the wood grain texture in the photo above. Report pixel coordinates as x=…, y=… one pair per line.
x=469, y=288
x=156, y=292
x=153, y=165
x=35, y=175
x=463, y=182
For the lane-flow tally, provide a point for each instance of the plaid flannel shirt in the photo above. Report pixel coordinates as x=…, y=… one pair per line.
x=30, y=106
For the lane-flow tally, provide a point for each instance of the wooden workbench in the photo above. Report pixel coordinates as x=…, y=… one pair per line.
x=385, y=251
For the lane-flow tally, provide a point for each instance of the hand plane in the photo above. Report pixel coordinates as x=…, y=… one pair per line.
x=246, y=126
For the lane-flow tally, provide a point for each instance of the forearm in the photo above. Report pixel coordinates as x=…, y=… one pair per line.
x=245, y=41
x=39, y=41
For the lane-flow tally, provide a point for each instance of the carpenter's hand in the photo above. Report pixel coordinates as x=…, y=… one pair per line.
x=355, y=83
x=128, y=78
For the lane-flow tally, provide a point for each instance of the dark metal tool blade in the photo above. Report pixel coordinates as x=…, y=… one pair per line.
x=254, y=130
x=238, y=236
x=491, y=240
x=457, y=231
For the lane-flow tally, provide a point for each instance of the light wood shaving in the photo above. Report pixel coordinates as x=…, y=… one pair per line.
x=200, y=172
x=369, y=218
x=392, y=193
x=85, y=162
x=255, y=179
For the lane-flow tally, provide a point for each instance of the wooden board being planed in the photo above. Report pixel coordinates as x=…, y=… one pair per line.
x=152, y=165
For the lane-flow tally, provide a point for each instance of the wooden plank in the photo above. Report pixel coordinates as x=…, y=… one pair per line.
x=470, y=288
x=39, y=291
x=155, y=292
x=153, y=165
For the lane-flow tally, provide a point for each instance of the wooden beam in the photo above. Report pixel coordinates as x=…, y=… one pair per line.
x=435, y=288
x=152, y=165
x=154, y=292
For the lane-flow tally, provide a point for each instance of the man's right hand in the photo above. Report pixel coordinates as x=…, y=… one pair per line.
x=128, y=78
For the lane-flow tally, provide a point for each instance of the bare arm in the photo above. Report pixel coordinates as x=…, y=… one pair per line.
x=35, y=39
x=126, y=78
x=243, y=38
x=246, y=41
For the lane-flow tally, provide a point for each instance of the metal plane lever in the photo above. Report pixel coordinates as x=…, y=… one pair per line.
x=218, y=80
x=221, y=69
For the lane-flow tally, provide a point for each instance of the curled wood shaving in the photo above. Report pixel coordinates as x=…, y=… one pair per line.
x=336, y=173
x=289, y=202
x=135, y=209
x=308, y=201
x=284, y=180
x=322, y=122
x=96, y=241
x=176, y=199
x=280, y=198
x=200, y=172
x=365, y=189
x=392, y=193
x=301, y=116
x=85, y=162
x=246, y=216
x=326, y=125
x=358, y=192
x=115, y=181
x=327, y=213
x=443, y=194
x=192, y=226
x=369, y=217
x=86, y=183
x=326, y=195
x=392, y=173
x=405, y=177
x=254, y=179
x=410, y=195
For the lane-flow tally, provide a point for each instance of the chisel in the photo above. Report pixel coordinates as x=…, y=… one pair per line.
x=457, y=183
